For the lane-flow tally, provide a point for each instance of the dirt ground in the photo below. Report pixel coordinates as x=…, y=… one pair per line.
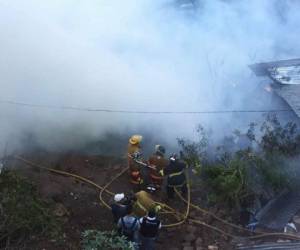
x=79, y=206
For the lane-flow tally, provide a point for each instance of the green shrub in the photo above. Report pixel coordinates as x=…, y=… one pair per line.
x=98, y=240
x=22, y=212
x=234, y=174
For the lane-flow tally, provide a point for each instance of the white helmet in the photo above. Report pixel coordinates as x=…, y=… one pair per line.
x=173, y=157
x=119, y=197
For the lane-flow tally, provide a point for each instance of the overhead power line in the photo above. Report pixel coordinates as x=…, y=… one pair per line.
x=83, y=109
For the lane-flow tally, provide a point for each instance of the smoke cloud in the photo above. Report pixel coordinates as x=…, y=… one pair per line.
x=135, y=55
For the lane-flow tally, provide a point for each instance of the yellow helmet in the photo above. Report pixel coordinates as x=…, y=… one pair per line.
x=135, y=139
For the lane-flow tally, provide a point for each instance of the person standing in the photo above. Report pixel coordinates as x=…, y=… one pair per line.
x=176, y=178
x=129, y=226
x=159, y=163
x=134, y=154
x=149, y=228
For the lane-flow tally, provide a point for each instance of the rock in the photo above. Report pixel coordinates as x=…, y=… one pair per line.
x=60, y=210
x=198, y=242
x=191, y=229
x=212, y=247
x=189, y=237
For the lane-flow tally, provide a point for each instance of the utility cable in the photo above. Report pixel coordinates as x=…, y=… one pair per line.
x=84, y=109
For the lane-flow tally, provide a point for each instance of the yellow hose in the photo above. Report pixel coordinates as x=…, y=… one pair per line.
x=214, y=216
x=187, y=209
x=108, y=184
x=185, y=216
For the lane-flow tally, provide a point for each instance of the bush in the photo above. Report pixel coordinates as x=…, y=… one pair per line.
x=97, y=240
x=278, y=138
x=22, y=212
x=234, y=172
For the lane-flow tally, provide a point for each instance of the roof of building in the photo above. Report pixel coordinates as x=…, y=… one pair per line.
x=291, y=94
x=286, y=78
x=262, y=69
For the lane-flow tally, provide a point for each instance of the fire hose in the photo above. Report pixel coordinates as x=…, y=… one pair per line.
x=171, y=210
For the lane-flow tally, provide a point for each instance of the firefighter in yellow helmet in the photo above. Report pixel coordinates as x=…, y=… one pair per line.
x=134, y=153
x=144, y=202
x=159, y=163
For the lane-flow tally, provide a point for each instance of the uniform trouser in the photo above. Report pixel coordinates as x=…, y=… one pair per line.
x=171, y=189
x=147, y=243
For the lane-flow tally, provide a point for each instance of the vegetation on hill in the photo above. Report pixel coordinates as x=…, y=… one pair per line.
x=246, y=167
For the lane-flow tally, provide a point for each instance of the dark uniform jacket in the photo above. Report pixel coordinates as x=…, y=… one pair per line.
x=119, y=211
x=149, y=227
x=175, y=173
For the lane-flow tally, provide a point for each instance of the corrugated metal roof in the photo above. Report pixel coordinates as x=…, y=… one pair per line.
x=286, y=76
x=262, y=69
x=291, y=94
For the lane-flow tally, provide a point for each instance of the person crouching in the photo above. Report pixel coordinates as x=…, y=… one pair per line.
x=119, y=207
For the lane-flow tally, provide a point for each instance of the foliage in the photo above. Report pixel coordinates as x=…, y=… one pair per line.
x=280, y=139
x=194, y=152
x=98, y=240
x=237, y=172
x=22, y=212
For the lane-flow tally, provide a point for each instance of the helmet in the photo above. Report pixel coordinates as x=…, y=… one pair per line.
x=135, y=139
x=136, y=155
x=151, y=188
x=119, y=197
x=173, y=157
x=160, y=149
x=152, y=212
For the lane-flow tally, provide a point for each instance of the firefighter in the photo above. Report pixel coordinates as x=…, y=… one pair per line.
x=159, y=163
x=134, y=153
x=143, y=202
x=176, y=178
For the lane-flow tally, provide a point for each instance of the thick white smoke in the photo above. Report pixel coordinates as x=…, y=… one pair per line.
x=139, y=55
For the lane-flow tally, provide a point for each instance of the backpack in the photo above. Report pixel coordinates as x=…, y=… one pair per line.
x=128, y=232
